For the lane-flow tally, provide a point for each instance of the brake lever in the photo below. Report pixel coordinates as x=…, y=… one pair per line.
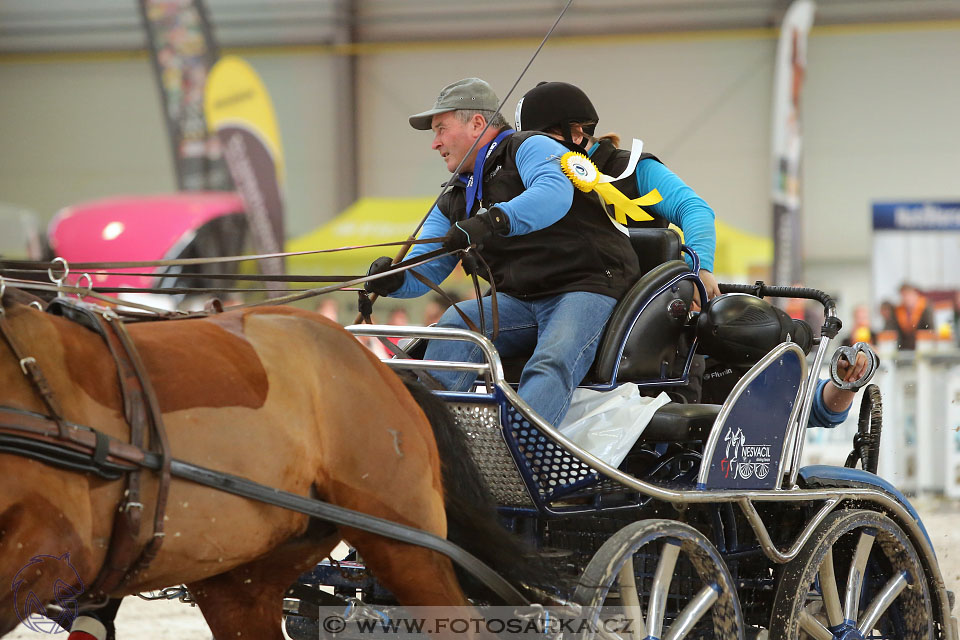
x=850, y=355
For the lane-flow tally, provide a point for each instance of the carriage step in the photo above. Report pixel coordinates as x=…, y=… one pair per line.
x=681, y=423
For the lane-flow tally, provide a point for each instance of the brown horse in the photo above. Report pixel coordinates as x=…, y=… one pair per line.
x=278, y=395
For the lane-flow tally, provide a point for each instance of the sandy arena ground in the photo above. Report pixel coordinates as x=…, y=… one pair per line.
x=142, y=620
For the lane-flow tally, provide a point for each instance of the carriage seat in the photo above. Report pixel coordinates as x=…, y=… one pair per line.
x=654, y=246
x=681, y=423
x=649, y=326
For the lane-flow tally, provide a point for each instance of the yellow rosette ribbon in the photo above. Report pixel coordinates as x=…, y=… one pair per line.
x=586, y=177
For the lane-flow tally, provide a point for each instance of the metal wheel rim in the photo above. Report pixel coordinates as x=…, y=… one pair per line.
x=716, y=595
x=864, y=580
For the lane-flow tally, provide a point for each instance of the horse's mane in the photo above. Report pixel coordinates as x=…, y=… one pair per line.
x=472, y=519
x=12, y=295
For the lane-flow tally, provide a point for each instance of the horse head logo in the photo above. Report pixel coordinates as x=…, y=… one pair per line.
x=67, y=586
x=733, y=439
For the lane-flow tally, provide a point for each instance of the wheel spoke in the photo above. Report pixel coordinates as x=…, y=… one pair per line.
x=814, y=627
x=858, y=564
x=828, y=589
x=884, y=599
x=661, y=586
x=692, y=613
x=631, y=599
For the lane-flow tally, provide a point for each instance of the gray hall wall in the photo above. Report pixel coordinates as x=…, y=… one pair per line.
x=879, y=118
x=80, y=127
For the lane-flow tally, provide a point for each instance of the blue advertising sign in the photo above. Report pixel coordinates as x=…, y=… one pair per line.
x=917, y=216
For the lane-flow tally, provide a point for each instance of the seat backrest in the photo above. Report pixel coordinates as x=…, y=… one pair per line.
x=654, y=246
x=650, y=326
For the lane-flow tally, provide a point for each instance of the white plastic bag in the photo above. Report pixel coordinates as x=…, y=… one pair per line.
x=608, y=423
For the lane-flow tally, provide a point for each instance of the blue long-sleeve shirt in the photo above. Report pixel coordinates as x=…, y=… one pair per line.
x=546, y=198
x=820, y=415
x=680, y=205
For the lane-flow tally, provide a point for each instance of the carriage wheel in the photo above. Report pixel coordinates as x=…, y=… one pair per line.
x=668, y=581
x=857, y=577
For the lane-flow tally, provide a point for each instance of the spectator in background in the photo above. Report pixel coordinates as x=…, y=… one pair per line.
x=860, y=331
x=435, y=307
x=803, y=309
x=912, y=314
x=399, y=317
x=432, y=312
x=956, y=317
x=329, y=307
x=888, y=316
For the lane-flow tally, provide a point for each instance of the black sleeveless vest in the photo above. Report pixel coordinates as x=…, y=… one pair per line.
x=612, y=161
x=582, y=251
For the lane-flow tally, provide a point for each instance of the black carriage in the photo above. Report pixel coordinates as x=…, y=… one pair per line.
x=710, y=528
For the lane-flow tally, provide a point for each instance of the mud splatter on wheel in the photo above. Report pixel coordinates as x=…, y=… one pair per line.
x=857, y=577
x=667, y=579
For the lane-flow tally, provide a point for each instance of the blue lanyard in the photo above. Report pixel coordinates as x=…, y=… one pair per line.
x=475, y=183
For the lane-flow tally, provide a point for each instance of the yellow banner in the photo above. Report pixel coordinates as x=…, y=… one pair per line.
x=235, y=95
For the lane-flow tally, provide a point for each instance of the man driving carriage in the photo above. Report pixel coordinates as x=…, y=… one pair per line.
x=558, y=264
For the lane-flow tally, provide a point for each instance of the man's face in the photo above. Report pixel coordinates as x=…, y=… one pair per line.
x=453, y=139
x=909, y=296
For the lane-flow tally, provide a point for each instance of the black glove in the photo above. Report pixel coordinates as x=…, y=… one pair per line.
x=386, y=285
x=477, y=230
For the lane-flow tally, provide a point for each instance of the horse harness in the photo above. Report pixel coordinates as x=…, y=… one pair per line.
x=52, y=439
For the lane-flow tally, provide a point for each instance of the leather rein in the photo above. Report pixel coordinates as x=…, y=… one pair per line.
x=365, y=303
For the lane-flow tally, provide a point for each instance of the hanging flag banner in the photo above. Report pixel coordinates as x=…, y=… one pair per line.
x=239, y=110
x=183, y=51
x=791, y=64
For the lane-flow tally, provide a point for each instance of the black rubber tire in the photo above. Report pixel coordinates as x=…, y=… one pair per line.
x=908, y=617
x=698, y=565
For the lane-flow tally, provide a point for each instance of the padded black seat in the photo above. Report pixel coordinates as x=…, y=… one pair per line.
x=654, y=246
x=653, y=333
x=655, y=339
x=681, y=423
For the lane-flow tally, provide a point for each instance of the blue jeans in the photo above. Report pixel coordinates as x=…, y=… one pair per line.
x=563, y=332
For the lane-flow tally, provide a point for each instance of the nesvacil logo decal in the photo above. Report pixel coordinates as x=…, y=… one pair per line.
x=67, y=587
x=742, y=460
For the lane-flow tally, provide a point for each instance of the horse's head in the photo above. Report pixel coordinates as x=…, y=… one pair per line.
x=57, y=581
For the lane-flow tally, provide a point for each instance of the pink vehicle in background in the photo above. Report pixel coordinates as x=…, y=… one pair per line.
x=149, y=228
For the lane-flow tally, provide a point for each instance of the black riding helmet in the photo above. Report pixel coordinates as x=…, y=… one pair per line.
x=552, y=104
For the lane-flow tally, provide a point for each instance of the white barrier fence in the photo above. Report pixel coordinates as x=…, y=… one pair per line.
x=920, y=445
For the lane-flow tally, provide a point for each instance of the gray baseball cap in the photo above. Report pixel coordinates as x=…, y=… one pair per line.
x=469, y=93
